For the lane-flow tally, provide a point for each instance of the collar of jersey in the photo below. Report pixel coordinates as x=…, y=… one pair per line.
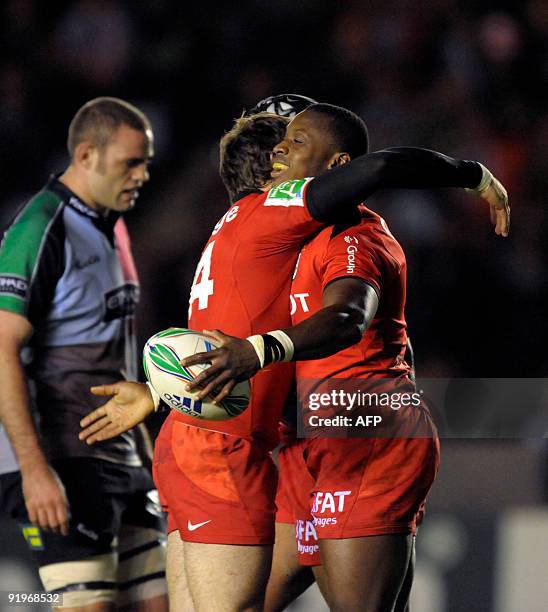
x=71, y=198
x=105, y=224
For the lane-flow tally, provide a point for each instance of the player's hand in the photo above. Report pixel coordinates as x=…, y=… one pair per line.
x=130, y=404
x=45, y=498
x=496, y=196
x=235, y=360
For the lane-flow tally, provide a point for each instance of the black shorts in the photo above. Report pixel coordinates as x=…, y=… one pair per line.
x=103, y=497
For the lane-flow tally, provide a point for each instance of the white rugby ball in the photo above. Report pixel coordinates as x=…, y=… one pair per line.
x=161, y=357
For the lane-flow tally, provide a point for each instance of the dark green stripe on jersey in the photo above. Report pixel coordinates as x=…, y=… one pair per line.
x=21, y=248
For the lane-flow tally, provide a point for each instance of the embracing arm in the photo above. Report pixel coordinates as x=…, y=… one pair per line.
x=44, y=494
x=349, y=305
x=347, y=185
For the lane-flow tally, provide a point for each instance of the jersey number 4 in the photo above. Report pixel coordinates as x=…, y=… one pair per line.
x=202, y=286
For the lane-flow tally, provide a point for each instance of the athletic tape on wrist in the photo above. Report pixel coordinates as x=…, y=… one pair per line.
x=257, y=342
x=486, y=178
x=272, y=347
x=155, y=396
x=286, y=342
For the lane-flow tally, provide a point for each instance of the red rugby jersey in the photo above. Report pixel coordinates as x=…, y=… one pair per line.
x=370, y=252
x=241, y=286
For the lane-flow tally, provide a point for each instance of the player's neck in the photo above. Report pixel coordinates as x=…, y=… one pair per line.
x=71, y=179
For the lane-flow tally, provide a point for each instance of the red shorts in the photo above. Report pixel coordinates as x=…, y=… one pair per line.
x=216, y=488
x=347, y=488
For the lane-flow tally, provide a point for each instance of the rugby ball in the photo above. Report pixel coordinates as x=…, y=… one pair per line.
x=161, y=361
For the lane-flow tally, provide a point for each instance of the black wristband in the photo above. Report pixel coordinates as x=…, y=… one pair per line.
x=273, y=349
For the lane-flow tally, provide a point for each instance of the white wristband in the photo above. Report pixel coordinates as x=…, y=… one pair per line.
x=155, y=396
x=257, y=343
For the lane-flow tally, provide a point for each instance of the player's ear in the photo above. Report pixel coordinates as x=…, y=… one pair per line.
x=84, y=154
x=339, y=159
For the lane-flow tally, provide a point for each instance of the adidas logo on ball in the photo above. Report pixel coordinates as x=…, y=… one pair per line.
x=161, y=360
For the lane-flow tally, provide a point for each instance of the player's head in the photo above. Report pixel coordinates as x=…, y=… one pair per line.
x=318, y=139
x=245, y=152
x=110, y=143
x=284, y=105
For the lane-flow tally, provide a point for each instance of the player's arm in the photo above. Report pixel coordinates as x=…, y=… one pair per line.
x=348, y=307
x=349, y=184
x=44, y=493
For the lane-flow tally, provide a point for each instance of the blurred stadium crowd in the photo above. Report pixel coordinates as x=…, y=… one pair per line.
x=463, y=77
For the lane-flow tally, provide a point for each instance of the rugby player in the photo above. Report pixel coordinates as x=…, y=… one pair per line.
x=68, y=291
x=226, y=515
x=361, y=497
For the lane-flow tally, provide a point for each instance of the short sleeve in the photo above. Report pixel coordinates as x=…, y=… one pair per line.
x=32, y=259
x=349, y=254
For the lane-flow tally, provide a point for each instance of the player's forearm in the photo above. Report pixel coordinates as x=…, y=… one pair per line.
x=349, y=306
x=403, y=167
x=15, y=412
x=327, y=332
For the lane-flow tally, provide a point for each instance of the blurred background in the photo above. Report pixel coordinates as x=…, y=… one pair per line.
x=463, y=77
